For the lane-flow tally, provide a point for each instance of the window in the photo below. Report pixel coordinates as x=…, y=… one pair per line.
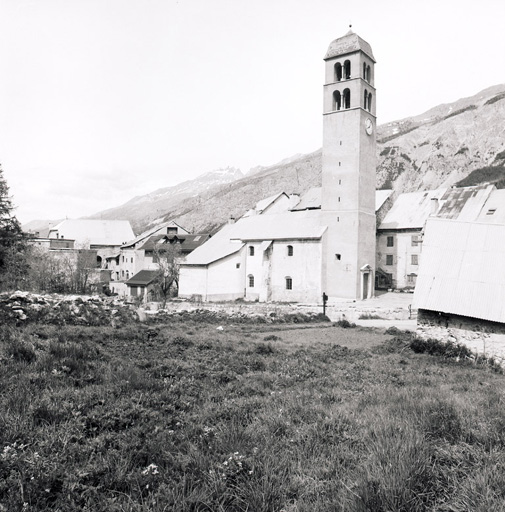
x=491, y=211
x=250, y=277
x=122, y=259
x=289, y=283
x=347, y=98
x=290, y=250
x=411, y=279
x=133, y=291
x=338, y=72
x=337, y=100
x=364, y=70
x=390, y=241
x=338, y=256
x=414, y=240
x=237, y=265
x=251, y=250
x=132, y=260
x=389, y=259
x=368, y=74
x=347, y=69
x=127, y=275
x=369, y=102
x=122, y=273
x=414, y=259
x=365, y=103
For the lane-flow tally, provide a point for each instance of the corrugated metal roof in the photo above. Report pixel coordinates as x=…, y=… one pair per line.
x=411, y=210
x=95, y=232
x=461, y=269
x=464, y=203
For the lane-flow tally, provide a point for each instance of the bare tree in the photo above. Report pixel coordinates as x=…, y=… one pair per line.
x=167, y=255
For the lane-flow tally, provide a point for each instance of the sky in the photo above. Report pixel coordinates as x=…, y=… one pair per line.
x=104, y=100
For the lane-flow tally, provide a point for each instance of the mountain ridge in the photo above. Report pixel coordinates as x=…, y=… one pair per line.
x=437, y=148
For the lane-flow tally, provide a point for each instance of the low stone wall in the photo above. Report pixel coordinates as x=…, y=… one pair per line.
x=480, y=336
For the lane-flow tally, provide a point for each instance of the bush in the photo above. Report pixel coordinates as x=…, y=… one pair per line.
x=345, y=324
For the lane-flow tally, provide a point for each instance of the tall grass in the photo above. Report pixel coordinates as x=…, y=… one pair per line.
x=190, y=419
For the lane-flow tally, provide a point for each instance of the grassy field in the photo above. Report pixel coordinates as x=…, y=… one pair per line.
x=186, y=417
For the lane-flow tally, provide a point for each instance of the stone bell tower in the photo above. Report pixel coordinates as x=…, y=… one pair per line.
x=349, y=165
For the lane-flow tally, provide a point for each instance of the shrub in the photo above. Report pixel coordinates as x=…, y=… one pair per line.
x=272, y=337
x=345, y=324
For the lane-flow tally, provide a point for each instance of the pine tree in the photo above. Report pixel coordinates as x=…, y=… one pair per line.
x=12, y=241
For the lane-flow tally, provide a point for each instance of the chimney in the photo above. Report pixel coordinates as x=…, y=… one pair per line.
x=434, y=206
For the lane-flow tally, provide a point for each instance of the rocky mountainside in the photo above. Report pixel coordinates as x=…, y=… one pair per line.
x=144, y=210
x=444, y=145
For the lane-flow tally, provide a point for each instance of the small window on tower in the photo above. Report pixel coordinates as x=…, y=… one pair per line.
x=250, y=278
x=338, y=72
x=390, y=241
x=338, y=257
x=347, y=69
x=347, y=98
x=414, y=259
x=251, y=250
x=289, y=283
x=369, y=102
x=389, y=259
x=290, y=250
x=337, y=100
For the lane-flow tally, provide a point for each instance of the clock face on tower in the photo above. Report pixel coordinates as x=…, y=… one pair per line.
x=368, y=126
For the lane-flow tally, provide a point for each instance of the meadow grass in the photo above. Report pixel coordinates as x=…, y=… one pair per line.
x=185, y=417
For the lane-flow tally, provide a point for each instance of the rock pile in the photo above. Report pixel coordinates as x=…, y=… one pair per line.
x=22, y=307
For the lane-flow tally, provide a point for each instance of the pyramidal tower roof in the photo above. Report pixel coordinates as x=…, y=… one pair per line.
x=349, y=43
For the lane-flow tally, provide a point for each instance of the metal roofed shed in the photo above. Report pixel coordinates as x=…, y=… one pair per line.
x=142, y=278
x=462, y=271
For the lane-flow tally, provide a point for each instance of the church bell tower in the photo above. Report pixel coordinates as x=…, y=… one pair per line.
x=348, y=169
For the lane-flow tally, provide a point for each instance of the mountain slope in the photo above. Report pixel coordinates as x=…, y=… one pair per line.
x=143, y=210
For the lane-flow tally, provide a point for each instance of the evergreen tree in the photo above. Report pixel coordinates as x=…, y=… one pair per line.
x=12, y=241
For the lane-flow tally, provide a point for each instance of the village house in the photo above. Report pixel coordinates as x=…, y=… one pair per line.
x=156, y=252
x=122, y=263
x=400, y=234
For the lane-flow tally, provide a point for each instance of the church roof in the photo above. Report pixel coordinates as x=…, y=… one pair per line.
x=230, y=239
x=349, y=43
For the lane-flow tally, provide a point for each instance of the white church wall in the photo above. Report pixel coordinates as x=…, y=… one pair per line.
x=303, y=268
x=253, y=258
